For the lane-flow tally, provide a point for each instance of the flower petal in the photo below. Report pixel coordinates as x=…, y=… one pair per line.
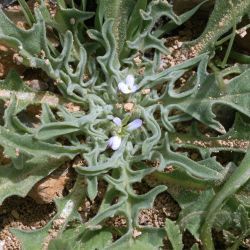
x=114, y=142
x=134, y=88
x=117, y=121
x=124, y=88
x=110, y=117
x=130, y=81
x=137, y=123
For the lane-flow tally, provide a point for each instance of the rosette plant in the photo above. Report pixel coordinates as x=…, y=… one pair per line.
x=108, y=56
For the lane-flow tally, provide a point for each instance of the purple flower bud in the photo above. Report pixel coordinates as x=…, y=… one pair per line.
x=117, y=121
x=137, y=123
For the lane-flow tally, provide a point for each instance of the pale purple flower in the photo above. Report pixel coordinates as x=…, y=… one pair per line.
x=135, y=124
x=114, y=142
x=117, y=121
x=128, y=86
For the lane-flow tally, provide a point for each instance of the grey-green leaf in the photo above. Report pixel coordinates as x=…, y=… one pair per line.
x=174, y=234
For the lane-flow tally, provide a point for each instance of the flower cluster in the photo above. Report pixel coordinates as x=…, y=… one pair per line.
x=114, y=142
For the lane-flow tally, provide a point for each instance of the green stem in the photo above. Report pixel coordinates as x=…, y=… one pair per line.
x=226, y=38
x=84, y=3
x=28, y=14
x=218, y=77
x=237, y=180
x=241, y=58
x=230, y=45
x=223, y=40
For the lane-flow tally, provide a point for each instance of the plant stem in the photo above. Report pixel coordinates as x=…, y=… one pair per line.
x=28, y=14
x=229, y=48
x=241, y=58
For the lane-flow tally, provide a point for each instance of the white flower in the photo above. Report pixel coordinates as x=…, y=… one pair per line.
x=128, y=86
x=114, y=142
